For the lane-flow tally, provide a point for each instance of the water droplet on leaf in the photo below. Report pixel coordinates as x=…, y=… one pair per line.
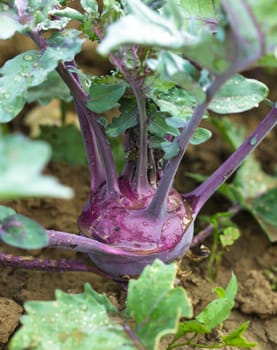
x=28, y=58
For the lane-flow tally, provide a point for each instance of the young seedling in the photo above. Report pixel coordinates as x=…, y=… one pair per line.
x=172, y=63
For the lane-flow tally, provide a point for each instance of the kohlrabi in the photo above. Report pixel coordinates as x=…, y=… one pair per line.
x=172, y=63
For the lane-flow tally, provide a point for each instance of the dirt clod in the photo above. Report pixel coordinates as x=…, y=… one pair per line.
x=10, y=312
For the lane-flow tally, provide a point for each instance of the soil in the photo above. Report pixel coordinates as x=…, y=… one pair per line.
x=250, y=257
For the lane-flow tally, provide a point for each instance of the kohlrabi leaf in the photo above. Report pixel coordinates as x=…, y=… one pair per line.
x=71, y=322
x=231, y=132
x=219, y=310
x=66, y=143
x=90, y=6
x=238, y=94
x=143, y=26
x=252, y=181
x=176, y=102
x=247, y=38
x=69, y=13
x=201, y=8
x=9, y=23
x=174, y=68
x=159, y=127
x=126, y=120
x=21, y=164
x=31, y=68
x=266, y=207
x=155, y=304
x=236, y=338
x=52, y=87
x=5, y=212
x=103, y=97
x=200, y=135
x=251, y=184
x=266, y=12
x=21, y=232
x=171, y=149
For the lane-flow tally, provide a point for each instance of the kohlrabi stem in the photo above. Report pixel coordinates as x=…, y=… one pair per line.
x=158, y=204
x=141, y=175
x=32, y=263
x=202, y=193
x=90, y=128
x=97, y=171
x=71, y=241
x=101, y=156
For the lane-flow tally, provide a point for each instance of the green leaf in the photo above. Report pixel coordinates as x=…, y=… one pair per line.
x=70, y=322
x=9, y=24
x=126, y=120
x=171, y=149
x=174, y=68
x=66, y=143
x=5, y=212
x=68, y=12
x=247, y=37
x=219, y=310
x=155, y=305
x=177, y=102
x=90, y=6
x=200, y=135
x=265, y=207
x=31, y=68
x=22, y=232
x=211, y=52
x=20, y=177
x=232, y=288
x=201, y=8
x=52, y=87
x=252, y=181
x=143, y=26
x=229, y=236
x=238, y=94
x=159, y=127
x=265, y=13
x=191, y=326
x=105, y=96
x=235, y=338
x=232, y=133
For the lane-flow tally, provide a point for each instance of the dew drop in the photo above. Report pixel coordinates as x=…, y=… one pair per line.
x=28, y=58
x=253, y=141
x=84, y=307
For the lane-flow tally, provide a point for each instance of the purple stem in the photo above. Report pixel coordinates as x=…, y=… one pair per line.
x=202, y=193
x=32, y=263
x=141, y=177
x=101, y=156
x=158, y=204
x=71, y=241
x=208, y=230
x=96, y=168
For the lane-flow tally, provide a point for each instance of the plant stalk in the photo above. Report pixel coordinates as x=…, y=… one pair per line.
x=100, y=156
x=32, y=263
x=141, y=175
x=203, y=192
x=158, y=204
